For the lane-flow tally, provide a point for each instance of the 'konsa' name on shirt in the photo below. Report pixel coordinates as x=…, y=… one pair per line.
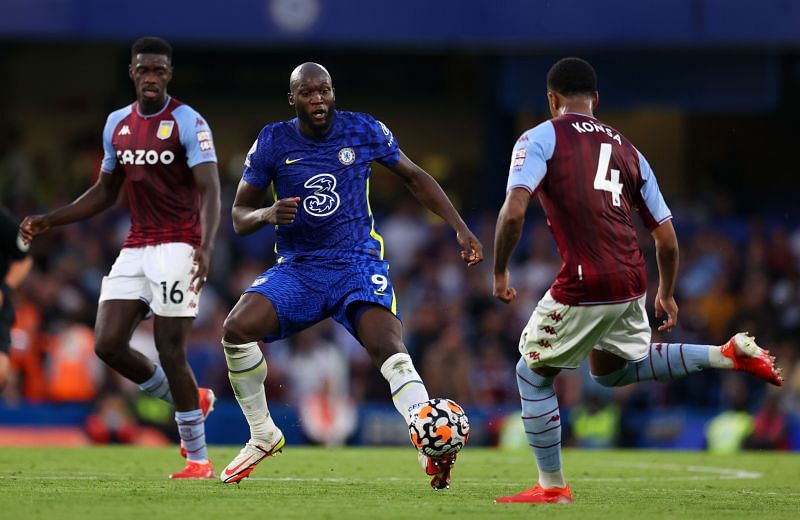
x=589, y=126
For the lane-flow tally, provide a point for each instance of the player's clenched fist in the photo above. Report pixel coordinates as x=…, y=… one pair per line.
x=32, y=226
x=471, y=248
x=283, y=211
x=501, y=290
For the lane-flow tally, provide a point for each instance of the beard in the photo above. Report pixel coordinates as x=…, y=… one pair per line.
x=319, y=128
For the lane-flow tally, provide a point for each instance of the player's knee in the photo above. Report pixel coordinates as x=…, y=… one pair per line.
x=106, y=349
x=236, y=330
x=232, y=330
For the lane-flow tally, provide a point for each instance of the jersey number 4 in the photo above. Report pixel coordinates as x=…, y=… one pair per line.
x=601, y=182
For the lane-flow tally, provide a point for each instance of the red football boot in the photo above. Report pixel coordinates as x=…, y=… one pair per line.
x=747, y=356
x=539, y=495
x=195, y=470
x=438, y=468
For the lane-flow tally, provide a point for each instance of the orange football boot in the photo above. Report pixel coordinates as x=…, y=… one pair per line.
x=195, y=470
x=539, y=495
x=748, y=357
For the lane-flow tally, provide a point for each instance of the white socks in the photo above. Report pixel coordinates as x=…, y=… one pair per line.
x=717, y=360
x=553, y=479
x=407, y=388
x=247, y=371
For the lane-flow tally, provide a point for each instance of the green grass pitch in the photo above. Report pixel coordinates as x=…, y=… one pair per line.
x=121, y=482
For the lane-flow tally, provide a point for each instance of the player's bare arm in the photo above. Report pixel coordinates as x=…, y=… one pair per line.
x=206, y=177
x=248, y=212
x=506, y=237
x=667, y=258
x=101, y=196
x=428, y=192
x=17, y=272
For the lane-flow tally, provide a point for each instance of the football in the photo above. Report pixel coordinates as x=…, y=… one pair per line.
x=439, y=427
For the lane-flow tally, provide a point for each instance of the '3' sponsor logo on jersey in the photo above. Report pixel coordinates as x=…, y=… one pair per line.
x=324, y=200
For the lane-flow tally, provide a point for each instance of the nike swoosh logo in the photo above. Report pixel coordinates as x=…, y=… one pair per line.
x=233, y=469
x=290, y=161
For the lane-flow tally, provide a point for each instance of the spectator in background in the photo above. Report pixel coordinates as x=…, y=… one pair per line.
x=770, y=426
x=112, y=422
x=14, y=267
x=319, y=384
x=595, y=423
x=727, y=432
x=26, y=354
x=316, y=364
x=756, y=314
x=447, y=366
x=16, y=167
x=490, y=382
x=73, y=371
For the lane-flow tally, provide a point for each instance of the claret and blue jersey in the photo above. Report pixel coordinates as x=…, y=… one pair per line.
x=156, y=154
x=589, y=178
x=331, y=176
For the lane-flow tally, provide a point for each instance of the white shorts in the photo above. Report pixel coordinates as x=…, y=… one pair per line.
x=158, y=275
x=562, y=336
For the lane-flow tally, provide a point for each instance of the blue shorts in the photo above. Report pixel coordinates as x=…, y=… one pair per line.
x=306, y=291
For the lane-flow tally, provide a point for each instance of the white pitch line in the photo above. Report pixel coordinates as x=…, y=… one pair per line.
x=723, y=473
x=741, y=491
x=46, y=477
x=659, y=479
x=712, y=473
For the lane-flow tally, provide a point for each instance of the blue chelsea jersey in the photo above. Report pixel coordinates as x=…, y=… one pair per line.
x=331, y=177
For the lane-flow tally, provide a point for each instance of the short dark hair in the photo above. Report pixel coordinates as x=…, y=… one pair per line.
x=151, y=45
x=570, y=76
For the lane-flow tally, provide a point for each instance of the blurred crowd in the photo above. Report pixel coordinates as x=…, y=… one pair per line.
x=737, y=273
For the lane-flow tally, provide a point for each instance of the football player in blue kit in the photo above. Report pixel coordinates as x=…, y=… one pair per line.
x=330, y=254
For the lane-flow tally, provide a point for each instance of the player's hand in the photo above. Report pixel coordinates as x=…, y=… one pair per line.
x=501, y=290
x=471, y=248
x=33, y=225
x=283, y=211
x=200, y=266
x=667, y=308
